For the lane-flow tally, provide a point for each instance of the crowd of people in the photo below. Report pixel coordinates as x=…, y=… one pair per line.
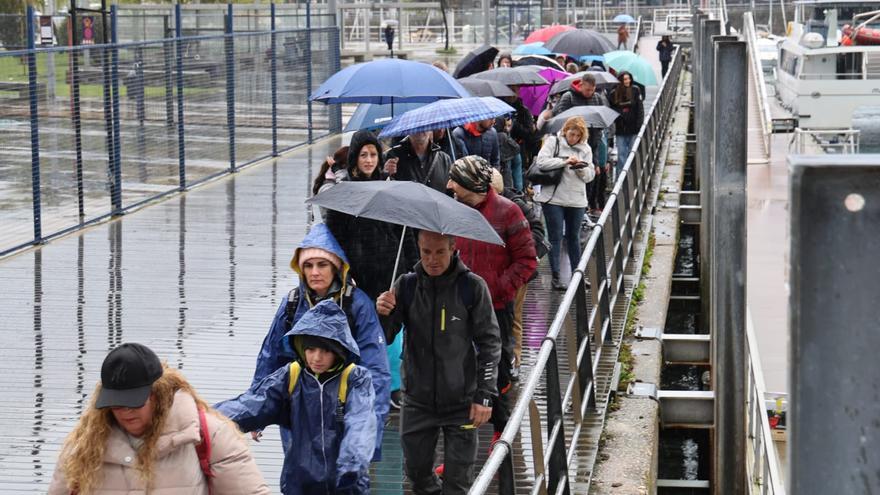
x=442, y=345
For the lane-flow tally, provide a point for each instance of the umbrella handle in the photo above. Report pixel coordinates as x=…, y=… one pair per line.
x=397, y=260
x=451, y=143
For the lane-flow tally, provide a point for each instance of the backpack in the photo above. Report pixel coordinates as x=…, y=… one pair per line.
x=532, y=211
x=342, y=394
x=345, y=302
x=408, y=286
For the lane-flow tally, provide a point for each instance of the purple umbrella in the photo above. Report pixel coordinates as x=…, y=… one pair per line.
x=534, y=97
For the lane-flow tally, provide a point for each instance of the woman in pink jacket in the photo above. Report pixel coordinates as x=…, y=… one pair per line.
x=147, y=431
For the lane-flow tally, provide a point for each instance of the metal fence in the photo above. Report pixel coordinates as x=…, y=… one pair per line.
x=93, y=131
x=591, y=336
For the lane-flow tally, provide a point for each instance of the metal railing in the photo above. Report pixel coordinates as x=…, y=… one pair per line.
x=762, y=463
x=751, y=38
x=92, y=131
x=832, y=141
x=589, y=338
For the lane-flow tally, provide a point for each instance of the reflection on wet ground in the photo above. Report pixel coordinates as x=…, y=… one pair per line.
x=197, y=278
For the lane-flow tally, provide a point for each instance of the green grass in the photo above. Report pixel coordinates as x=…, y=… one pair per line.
x=444, y=51
x=625, y=357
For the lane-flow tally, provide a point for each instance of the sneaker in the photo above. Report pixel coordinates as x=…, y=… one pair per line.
x=557, y=284
x=439, y=470
x=396, y=399
x=514, y=374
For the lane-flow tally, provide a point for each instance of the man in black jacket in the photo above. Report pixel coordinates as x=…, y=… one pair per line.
x=417, y=159
x=451, y=355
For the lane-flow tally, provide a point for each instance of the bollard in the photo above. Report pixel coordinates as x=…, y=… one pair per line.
x=728, y=263
x=834, y=373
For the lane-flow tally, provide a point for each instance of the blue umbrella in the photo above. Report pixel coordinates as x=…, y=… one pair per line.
x=389, y=80
x=444, y=114
x=623, y=19
x=536, y=48
x=371, y=116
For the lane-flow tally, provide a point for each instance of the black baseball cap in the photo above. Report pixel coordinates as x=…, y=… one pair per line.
x=127, y=376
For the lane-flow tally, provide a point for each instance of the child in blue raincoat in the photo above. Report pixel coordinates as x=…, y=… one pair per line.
x=326, y=402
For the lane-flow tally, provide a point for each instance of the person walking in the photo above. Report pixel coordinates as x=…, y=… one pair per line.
x=417, y=159
x=146, y=430
x=324, y=274
x=505, y=60
x=622, y=37
x=665, y=49
x=504, y=268
x=326, y=177
x=564, y=204
x=479, y=139
x=325, y=400
x=370, y=245
x=451, y=358
x=626, y=99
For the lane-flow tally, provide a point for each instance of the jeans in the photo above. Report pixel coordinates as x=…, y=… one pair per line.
x=569, y=218
x=624, y=146
x=516, y=170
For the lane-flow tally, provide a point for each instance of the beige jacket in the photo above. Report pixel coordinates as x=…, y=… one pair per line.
x=177, y=470
x=570, y=191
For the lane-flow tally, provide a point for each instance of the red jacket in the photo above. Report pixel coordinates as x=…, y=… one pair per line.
x=504, y=268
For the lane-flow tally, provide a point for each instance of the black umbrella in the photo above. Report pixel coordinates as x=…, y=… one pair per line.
x=595, y=116
x=580, y=42
x=513, y=76
x=604, y=80
x=475, y=61
x=410, y=204
x=485, y=87
x=541, y=60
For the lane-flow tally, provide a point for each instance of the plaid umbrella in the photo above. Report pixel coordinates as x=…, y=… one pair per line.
x=444, y=114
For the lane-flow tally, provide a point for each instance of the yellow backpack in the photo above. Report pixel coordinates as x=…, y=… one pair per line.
x=295, y=368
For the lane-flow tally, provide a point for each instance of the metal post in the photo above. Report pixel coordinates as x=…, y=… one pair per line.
x=703, y=125
x=558, y=465
x=309, y=71
x=75, y=113
x=336, y=110
x=834, y=375
x=167, y=58
x=114, y=92
x=181, y=139
x=728, y=264
x=229, y=48
x=35, y=120
x=273, y=68
x=115, y=193
x=485, y=21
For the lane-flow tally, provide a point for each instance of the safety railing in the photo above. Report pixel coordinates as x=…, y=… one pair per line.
x=750, y=34
x=591, y=337
x=637, y=34
x=832, y=141
x=92, y=131
x=762, y=461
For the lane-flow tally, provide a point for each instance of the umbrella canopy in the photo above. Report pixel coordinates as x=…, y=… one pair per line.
x=623, y=19
x=371, y=116
x=476, y=61
x=595, y=116
x=546, y=33
x=540, y=60
x=604, y=80
x=536, y=48
x=580, y=42
x=535, y=97
x=410, y=204
x=624, y=60
x=513, y=76
x=444, y=114
x=389, y=80
x=485, y=87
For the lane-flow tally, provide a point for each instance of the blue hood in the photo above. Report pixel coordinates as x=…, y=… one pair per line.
x=320, y=237
x=326, y=320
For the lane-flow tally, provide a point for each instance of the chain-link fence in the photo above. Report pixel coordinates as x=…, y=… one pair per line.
x=92, y=131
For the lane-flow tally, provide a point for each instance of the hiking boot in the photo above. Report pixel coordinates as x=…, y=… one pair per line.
x=396, y=399
x=557, y=284
x=439, y=470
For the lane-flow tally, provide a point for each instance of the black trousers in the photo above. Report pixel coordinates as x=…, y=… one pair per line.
x=596, y=190
x=419, y=431
x=664, y=67
x=501, y=407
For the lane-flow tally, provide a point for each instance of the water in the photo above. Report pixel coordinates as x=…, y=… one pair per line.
x=682, y=377
x=682, y=455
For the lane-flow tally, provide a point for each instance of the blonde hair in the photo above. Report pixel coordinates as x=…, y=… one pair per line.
x=82, y=456
x=577, y=124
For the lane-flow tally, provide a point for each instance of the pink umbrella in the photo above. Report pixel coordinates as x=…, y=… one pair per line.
x=546, y=33
x=534, y=97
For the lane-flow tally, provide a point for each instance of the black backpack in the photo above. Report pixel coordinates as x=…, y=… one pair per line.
x=345, y=303
x=532, y=211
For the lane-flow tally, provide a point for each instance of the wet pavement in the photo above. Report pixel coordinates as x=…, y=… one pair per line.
x=197, y=278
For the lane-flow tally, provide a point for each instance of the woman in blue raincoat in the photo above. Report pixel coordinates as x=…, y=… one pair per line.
x=332, y=433
x=323, y=271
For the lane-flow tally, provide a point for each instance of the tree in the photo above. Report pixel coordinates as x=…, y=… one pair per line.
x=13, y=25
x=443, y=8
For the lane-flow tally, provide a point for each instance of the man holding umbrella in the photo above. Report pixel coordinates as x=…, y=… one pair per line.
x=417, y=159
x=504, y=268
x=454, y=350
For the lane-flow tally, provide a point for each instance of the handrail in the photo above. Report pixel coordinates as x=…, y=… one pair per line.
x=638, y=35
x=760, y=86
x=762, y=464
x=611, y=245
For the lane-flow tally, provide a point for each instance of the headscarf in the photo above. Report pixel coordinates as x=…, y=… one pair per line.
x=472, y=173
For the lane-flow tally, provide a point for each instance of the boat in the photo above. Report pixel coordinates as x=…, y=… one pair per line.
x=828, y=64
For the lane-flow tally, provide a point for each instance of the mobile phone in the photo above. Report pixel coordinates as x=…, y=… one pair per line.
x=580, y=165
